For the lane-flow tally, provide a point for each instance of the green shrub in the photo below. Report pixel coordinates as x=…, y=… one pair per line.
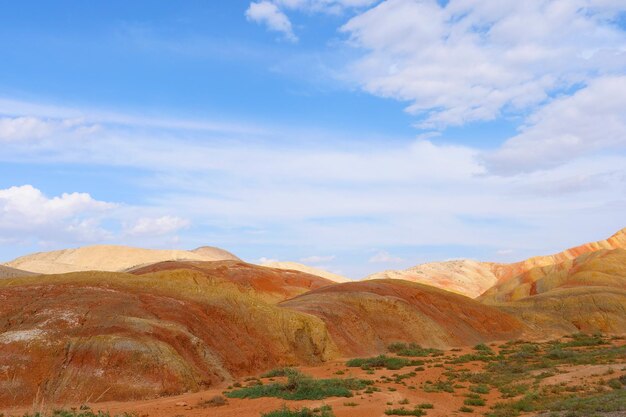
x=280, y=372
x=606, y=402
x=474, y=401
x=439, y=386
x=382, y=361
x=479, y=389
x=560, y=354
x=303, y=387
x=483, y=348
x=324, y=411
x=413, y=350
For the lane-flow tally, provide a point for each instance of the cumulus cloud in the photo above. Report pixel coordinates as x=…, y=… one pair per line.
x=471, y=61
x=384, y=257
x=146, y=226
x=27, y=214
x=26, y=210
x=592, y=119
x=270, y=15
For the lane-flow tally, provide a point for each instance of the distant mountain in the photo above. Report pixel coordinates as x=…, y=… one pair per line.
x=465, y=276
x=472, y=278
x=110, y=258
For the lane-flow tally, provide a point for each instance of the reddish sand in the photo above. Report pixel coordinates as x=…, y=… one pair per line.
x=368, y=405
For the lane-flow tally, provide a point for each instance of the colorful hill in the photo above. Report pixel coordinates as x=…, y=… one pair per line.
x=472, y=278
x=365, y=317
x=603, y=268
x=93, y=336
x=271, y=284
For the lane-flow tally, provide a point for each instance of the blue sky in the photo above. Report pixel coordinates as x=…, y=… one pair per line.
x=359, y=135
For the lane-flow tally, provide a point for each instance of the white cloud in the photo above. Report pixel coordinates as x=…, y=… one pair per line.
x=27, y=215
x=269, y=14
x=469, y=61
x=316, y=259
x=272, y=12
x=324, y=6
x=146, y=226
x=20, y=128
x=26, y=210
x=384, y=257
x=29, y=128
x=592, y=119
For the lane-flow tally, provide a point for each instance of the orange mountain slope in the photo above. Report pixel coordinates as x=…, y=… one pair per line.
x=271, y=284
x=365, y=317
x=99, y=335
x=602, y=268
x=506, y=271
x=585, y=294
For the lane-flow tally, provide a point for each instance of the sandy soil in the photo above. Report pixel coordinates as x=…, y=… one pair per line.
x=368, y=405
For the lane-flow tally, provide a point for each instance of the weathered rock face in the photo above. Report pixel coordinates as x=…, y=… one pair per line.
x=365, y=317
x=472, y=278
x=586, y=294
x=507, y=271
x=603, y=268
x=294, y=266
x=99, y=336
x=270, y=284
x=569, y=310
x=110, y=258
